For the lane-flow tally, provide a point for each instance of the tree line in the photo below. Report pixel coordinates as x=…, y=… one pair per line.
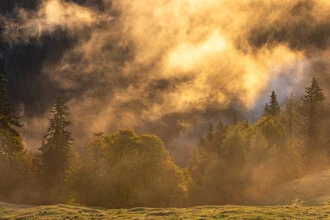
x=233, y=163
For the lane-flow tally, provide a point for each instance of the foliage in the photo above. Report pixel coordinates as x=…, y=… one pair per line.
x=10, y=139
x=248, y=160
x=135, y=169
x=237, y=163
x=273, y=107
x=56, y=145
x=312, y=110
x=14, y=160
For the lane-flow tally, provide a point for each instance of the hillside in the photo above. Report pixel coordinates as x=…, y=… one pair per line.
x=312, y=189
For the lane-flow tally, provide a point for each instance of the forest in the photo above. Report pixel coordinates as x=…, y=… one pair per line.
x=236, y=163
x=164, y=109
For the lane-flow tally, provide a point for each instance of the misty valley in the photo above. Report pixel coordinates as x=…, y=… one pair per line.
x=167, y=109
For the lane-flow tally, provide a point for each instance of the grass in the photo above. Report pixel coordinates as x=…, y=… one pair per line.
x=9, y=211
x=310, y=196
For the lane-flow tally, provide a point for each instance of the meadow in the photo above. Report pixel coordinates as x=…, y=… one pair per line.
x=293, y=211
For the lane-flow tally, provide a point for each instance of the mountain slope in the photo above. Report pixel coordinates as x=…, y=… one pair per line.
x=312, y=189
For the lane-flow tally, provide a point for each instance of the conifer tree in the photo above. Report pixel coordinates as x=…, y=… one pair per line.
x=235, y=117
x=220, y=133
x=56, y=145
x=10, y=139
x=273, y=107
x=221, y=128
x=290, y=113
x=210, y=135
x=312, y=110
x=266, y=110
x=202, y=143
x=14, y=162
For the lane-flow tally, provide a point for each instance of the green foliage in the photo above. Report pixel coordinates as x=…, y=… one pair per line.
x=213, y=139
x=291, y=117
x=235, y=163
x=273, y=107
x=234, y=117
x=232, y=149
x=11, y=142
x=56, y=145
x=210, y=135
x=272, y=129
x=218, y=175
x=312, y=110
x=248, y=161
x=14, y=160
x=266, y=110
x=15, y=178
x=125, y=170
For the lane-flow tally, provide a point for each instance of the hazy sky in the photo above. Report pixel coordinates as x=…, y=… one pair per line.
x=167, y=67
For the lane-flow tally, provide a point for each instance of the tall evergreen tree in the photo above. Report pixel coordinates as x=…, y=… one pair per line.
x=273, y=107
x=289, y=109
x=202, y=143
x=14, y=162
x=235, y=117
x=220, y=133
x=221, y=128
x=312, y=110
x=10, y=139
x=56, y=145
x=210, y=135
x=266, y=110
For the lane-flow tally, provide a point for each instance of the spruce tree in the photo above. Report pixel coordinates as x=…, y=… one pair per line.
x=202, y=143
x=312, y=110
x=220, y=133
x=56, y=145
x=235, y=117
x=14, y=164
x=289, y=110
x=10, y=139
x=210, y=135
x=273, y=107
x=221, y=128
x=266, y=110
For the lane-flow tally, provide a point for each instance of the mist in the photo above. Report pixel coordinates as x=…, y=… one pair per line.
x=165, y=67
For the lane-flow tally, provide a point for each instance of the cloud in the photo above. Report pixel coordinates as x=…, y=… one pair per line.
x=136, y=63
x=51, y=16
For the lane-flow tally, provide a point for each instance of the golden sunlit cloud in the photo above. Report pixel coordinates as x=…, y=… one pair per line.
x=57, y=12
x=52, y=14
x=188, y=57
x=161, y=57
